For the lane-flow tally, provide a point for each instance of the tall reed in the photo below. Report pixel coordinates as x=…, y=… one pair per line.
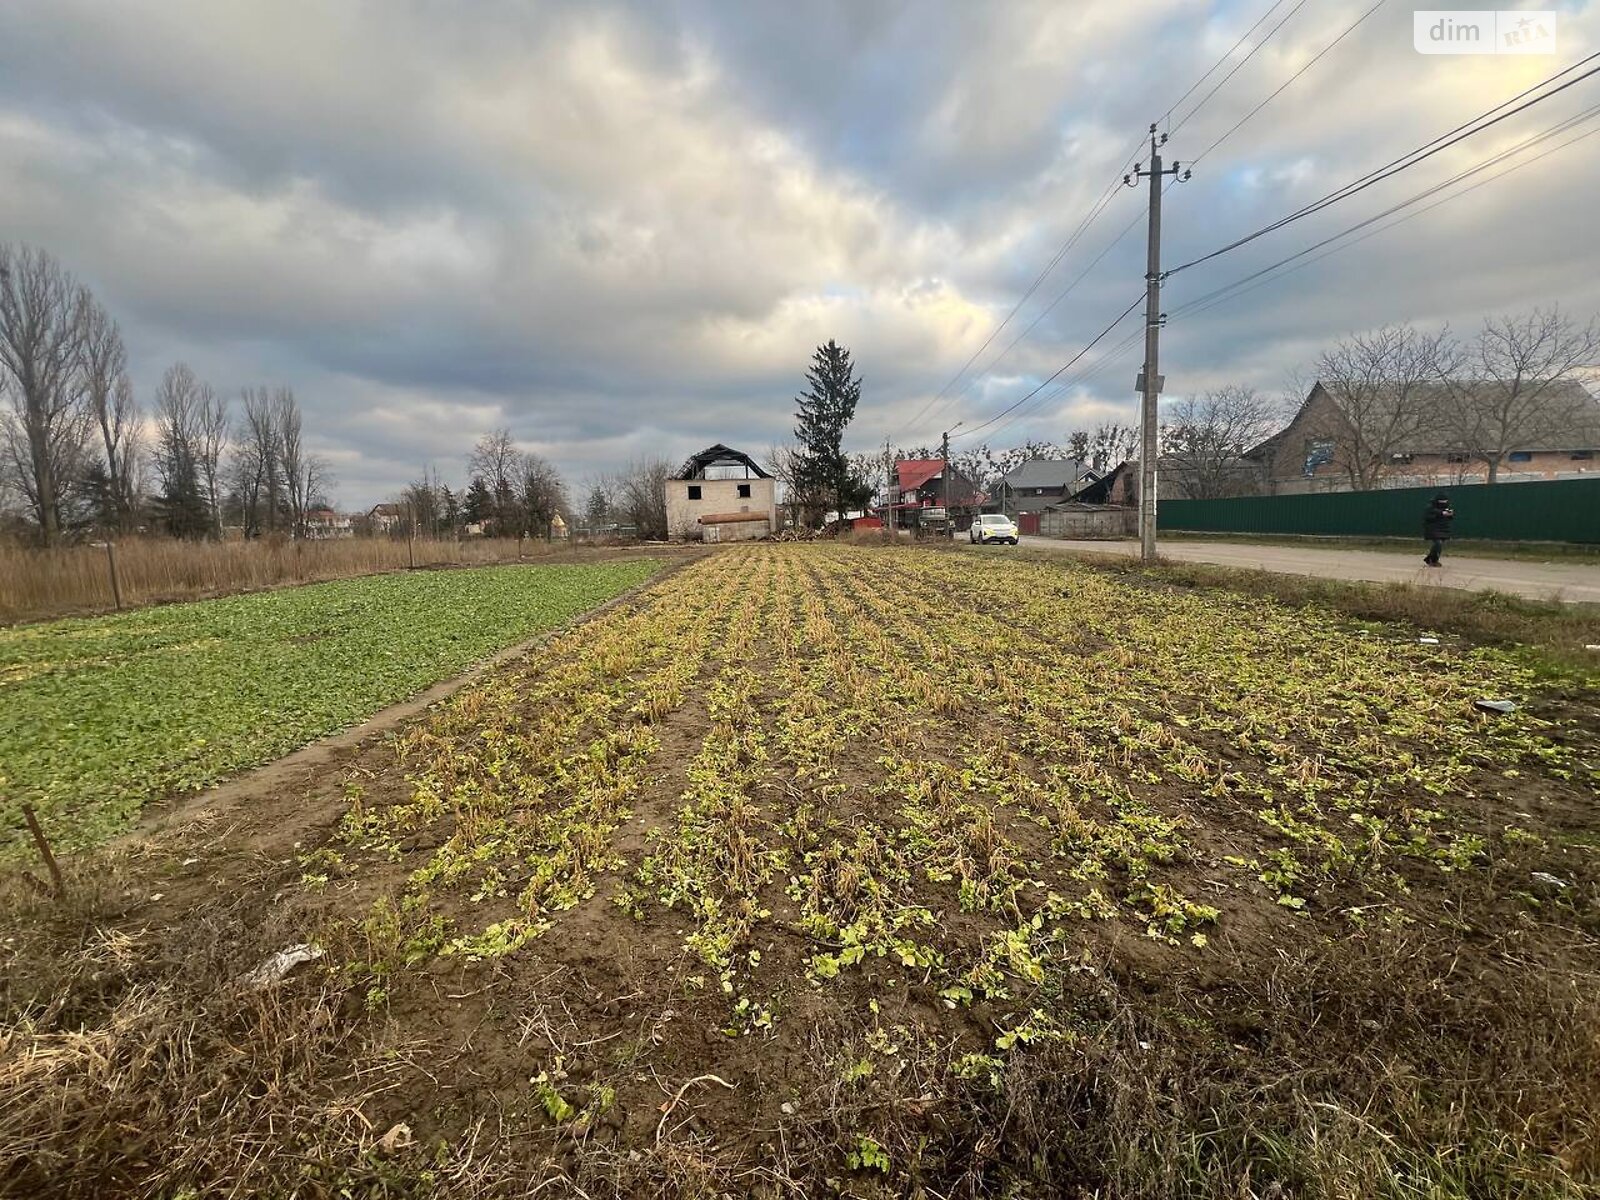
x=36, y=583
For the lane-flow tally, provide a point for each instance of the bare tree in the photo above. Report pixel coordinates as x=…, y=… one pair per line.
x=1383, y=385
x=258, y=475
x=427, y=503
x=114, y=411
x=211, y=427
x=497, y=461
x=1519, y=387
x=784, y=464
x=1206, y=434
x=180, y=402
x=304, y=475
x=1110, y=444
x=640, y=497
x=41, y=339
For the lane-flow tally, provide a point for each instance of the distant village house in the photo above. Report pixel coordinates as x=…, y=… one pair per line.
x=721, y=495
x=922, y=489
x=1314, y=453
x=324, y=524
x=1041, y=482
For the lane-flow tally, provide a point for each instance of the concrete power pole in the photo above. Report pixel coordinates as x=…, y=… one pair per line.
x=944, y=473
x=888, y=491
x=1150, y=379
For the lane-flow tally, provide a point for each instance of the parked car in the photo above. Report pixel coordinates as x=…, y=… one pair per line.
x=994, y=527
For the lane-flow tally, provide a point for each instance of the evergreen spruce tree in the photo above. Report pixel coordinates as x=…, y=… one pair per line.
x=478, y=507
x=822, y=469
x=181, y=505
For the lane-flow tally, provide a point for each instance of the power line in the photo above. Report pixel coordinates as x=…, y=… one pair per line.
x=1348, y=30
x=1095, y=210
x=1167, y=116
x=1082, y=377
x=1238, y=65
x=1255, y=279
x=1099, y=206
x=1406, y=161
x=1092, y=343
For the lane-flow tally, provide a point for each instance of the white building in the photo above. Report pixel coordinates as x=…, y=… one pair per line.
x=721, y=495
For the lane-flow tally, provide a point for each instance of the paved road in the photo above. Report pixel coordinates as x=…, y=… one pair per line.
x=1540, y=581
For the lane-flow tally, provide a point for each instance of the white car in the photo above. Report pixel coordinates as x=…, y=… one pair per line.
x=993, y=527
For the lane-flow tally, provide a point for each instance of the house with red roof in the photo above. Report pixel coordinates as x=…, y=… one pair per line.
x=921, y=493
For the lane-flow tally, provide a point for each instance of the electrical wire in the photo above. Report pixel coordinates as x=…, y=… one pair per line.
x=1238, y=65
x=1099, y=206
x=1095, y=210
x=1089, y=372
x=1556, y=130
x=1405, y=162
x=1261, y=20
x=1256, y=279
x=1237, y=125
x=1058, y=372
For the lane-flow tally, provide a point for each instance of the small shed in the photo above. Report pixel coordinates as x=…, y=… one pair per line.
x=733, y=527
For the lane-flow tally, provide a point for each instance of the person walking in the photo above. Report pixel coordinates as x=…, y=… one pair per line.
x=1436, y=527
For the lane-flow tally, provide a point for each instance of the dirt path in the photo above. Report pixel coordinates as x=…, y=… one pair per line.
x=1538, y=581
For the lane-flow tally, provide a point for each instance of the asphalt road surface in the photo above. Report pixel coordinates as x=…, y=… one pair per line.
x=1537, y=580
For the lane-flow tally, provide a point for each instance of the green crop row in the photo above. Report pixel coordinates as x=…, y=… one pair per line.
x=102, y=716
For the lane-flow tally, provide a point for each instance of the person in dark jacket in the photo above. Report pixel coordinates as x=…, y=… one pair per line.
x=1436, y=527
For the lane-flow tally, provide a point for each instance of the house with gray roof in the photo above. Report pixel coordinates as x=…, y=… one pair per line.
x=1426, y=437
x=1040, y=482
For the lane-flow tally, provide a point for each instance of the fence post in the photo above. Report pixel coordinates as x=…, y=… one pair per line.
x=116, y=588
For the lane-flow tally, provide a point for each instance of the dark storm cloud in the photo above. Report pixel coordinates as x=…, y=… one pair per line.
x=620, y=229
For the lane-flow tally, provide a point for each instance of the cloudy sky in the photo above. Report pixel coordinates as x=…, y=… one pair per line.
x=620, y=229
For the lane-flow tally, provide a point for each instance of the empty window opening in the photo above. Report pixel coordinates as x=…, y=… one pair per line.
x=694, y=491
x=744, y=491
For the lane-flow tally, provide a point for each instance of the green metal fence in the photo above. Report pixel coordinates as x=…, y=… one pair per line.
x=1563, y=510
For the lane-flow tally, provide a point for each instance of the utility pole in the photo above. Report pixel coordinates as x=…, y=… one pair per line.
x=944, y=473
x=888, y=491
x=1150, y=379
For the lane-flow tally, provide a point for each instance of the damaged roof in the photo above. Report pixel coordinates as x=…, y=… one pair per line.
x=718, y=456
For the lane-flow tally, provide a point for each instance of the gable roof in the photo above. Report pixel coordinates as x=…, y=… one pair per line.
x=914, y=473
x=717, y=456
x=1099, y=492
x=1582, y=432
x=1046, y=473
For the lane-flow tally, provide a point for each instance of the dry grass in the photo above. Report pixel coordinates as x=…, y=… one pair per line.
x=1555, y=635
x=38, y=584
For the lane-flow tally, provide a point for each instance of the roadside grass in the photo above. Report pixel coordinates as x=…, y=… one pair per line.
x=824, y=870
x=1557, y=552
x=1552, y=635
x=104, y=715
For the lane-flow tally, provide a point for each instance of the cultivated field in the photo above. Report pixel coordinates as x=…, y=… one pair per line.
x=822, y=870
x=105, y=714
